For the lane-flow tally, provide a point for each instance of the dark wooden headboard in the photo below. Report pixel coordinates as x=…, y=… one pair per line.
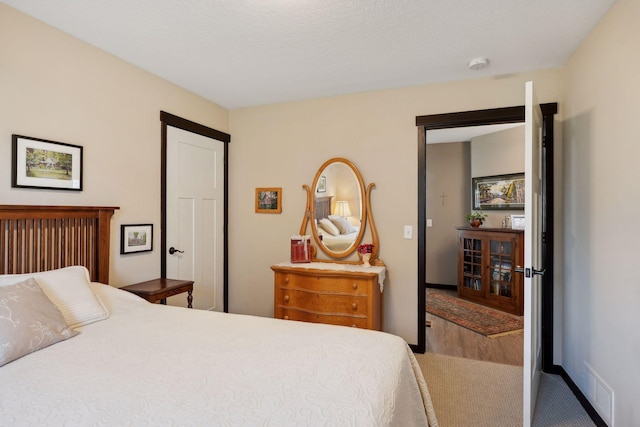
x=40, y=238
x=322, y=207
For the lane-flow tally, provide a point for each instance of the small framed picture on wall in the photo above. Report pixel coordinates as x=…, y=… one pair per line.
x=136, y=238
x=269, y=200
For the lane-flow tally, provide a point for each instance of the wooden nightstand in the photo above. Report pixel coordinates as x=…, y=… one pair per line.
x=159, y=289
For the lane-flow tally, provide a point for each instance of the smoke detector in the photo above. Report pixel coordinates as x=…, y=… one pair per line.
x=478, y=63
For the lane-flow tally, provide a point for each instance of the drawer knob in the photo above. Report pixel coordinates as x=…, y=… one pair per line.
x=286, y=298
x=286, y=280
x=353, y=326
x=354, y=306
x=355, y=286
x=286, y=317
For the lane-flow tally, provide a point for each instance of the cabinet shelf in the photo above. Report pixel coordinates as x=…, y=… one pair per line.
x=487, y=258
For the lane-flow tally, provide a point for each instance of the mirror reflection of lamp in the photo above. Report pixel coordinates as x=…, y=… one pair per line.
x=342, y=209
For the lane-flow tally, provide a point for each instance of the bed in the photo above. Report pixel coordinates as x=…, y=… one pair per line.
x=338, y=234
x=338, y=242
x=130, y=362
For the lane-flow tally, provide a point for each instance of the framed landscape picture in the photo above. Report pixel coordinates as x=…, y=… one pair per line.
x=268, y=200
x=498, y=192
x=136, y=238
x=39, y=163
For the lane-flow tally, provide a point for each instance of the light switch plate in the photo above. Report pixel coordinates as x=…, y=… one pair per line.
x=408, y=232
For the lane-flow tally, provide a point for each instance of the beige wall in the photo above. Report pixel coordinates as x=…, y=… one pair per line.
x=498, y=153
x=283, y=145
x=55, y=87
x=601, y=175
x=448, y=172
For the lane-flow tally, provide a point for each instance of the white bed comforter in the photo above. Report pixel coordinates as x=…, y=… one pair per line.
x=163, y=366
x=339, y=243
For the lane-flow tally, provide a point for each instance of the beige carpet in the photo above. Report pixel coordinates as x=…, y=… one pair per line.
x=493, y=400
x=468, y=392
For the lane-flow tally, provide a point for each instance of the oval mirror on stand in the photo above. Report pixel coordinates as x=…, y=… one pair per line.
x=339, y=209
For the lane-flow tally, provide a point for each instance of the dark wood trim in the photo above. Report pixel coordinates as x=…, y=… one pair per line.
x=168, y=119
x=188, y=125
x=595, y=417
x=422, y=247
x=549, y=109
x=225, y=226
x=547, y=291
x=472, y=118
x=163, y=199
x=487, y=117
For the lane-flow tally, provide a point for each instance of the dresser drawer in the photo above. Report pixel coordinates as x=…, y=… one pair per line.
x=341, y=296
x=331, y=283
x=322, y=301
x=331, y=319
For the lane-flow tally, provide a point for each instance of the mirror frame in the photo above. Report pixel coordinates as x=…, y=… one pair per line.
x=366, y=217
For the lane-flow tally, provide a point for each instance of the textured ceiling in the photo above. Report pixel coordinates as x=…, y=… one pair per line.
x=241, y=53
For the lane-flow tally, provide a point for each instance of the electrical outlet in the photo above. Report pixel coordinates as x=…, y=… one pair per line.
x=408, y=232
x=429, y=223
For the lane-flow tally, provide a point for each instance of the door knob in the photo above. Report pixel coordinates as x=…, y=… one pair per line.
x=173, y=250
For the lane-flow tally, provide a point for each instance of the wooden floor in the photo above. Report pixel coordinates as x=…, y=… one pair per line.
x=447, y=338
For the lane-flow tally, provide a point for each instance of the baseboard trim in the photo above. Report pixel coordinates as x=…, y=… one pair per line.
x=597, y=419
x=440, y=286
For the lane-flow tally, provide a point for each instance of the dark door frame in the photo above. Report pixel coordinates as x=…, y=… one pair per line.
x=168, y=119
x=489, y=117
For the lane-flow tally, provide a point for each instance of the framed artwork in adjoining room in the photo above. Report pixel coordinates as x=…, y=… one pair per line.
x=498, y=192
x=268, y=200
x=40, y=163
x=136, y=238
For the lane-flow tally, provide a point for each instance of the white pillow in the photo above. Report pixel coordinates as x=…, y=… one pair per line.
x=329, y=227
x=29, y=321
x=342, y=224
x=68, y=288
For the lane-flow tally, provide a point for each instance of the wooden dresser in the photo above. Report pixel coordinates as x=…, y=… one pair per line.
x=338, y=294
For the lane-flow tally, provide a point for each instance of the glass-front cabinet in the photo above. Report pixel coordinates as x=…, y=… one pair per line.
x=472, y=263
x=487, y=259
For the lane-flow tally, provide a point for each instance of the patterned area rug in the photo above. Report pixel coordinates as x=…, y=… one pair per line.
x=475, y=317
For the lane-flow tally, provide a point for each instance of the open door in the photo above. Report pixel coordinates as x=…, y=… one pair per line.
x=532, y=255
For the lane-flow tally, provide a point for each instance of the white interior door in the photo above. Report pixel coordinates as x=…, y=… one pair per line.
x=195, y=216
x=532, y=254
